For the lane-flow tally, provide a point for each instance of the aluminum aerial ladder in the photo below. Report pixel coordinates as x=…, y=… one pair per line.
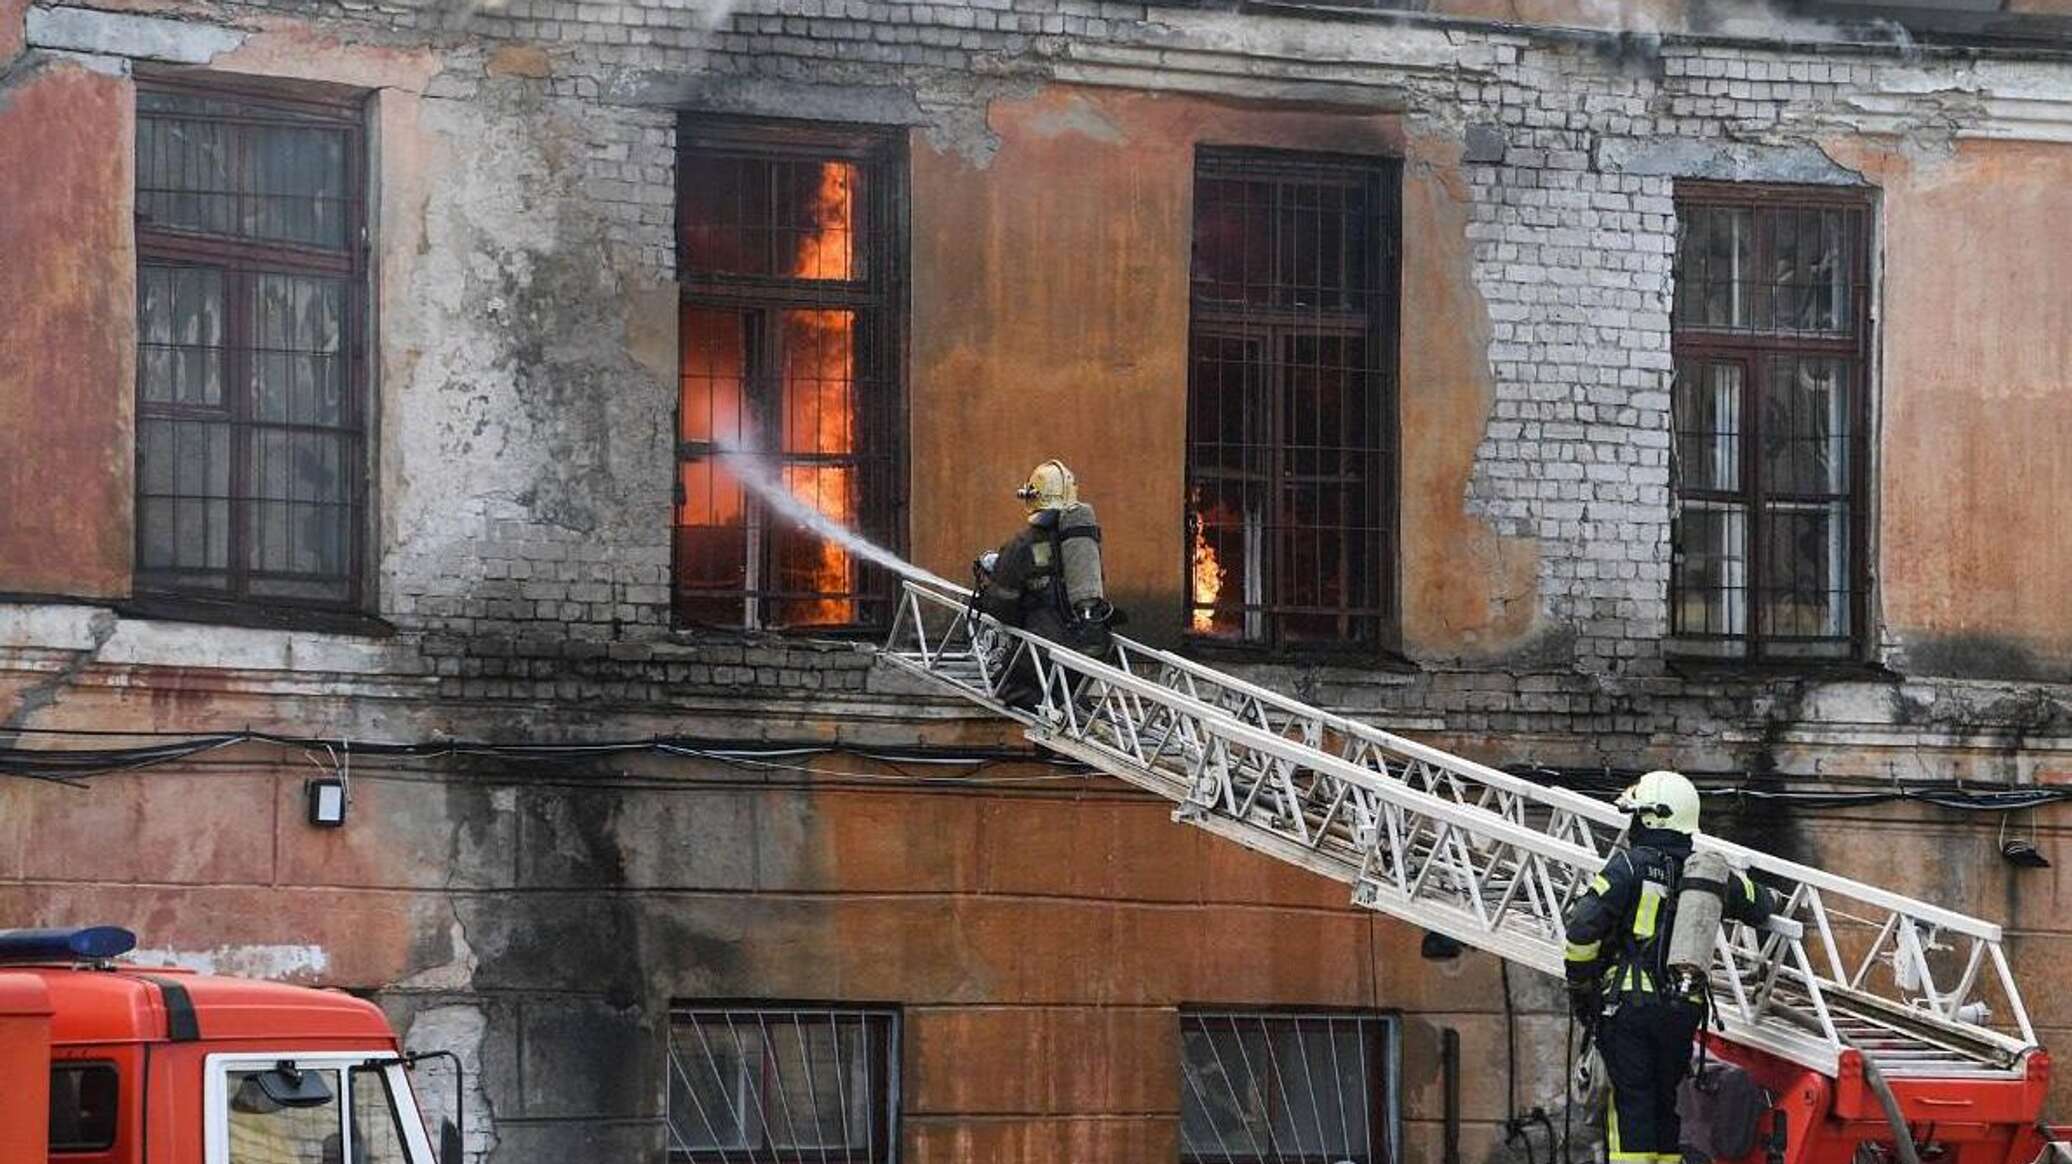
x=1845, y=973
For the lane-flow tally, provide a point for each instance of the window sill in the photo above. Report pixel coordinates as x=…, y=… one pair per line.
x=1703, y=667
x=1211, y=651
x=188, y=608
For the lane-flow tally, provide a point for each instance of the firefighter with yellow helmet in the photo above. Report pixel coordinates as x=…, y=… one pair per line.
x=1047, y=578
x=1624, y=979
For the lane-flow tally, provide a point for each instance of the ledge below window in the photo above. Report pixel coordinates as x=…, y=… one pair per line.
x=187, y=608
x=1703, y=667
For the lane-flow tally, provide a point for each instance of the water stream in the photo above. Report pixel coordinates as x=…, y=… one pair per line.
x=754, y=475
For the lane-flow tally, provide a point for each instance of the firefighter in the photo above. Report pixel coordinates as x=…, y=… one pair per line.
x=1047, y=578
x=1618, y=938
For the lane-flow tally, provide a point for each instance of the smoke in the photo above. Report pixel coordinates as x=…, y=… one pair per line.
x=1760, y=20
x=756, y=476
x=1764, y=20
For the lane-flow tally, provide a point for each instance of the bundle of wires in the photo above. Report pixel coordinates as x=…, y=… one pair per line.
x=1811, y=792
x=71, y=763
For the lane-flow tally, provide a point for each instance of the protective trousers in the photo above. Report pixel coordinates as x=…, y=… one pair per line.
x=1646, y=1044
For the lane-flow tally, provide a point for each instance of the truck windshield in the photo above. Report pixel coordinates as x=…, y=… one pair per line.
x=325, y=1124
x=265, y=1131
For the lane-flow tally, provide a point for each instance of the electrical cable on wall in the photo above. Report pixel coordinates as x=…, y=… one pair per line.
x=69, y=765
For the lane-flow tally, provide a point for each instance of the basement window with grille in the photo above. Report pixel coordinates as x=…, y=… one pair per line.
x=1275, y=1085
x=1291, y=400
x=791, y=260
x=1770, y=461
x=776, y=1083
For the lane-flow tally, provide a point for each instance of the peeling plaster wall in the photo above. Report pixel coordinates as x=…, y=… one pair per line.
x=539, y=922
x=67, y=287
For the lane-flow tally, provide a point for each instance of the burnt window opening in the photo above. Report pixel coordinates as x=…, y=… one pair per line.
x=251, y=440
x=791, y=254
x=1260, y=1086
x=783, y=1083
x=1290, y=501
x=1769, y=462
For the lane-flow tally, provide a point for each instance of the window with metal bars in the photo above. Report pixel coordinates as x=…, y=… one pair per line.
x=1291, y=390
x=1259, y=1086
x=808, y=1082
x=1769, y=462
x=791, y=258
x=251, y=441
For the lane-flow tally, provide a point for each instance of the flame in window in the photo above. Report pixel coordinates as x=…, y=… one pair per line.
x=820, y=405
x=1206, y=575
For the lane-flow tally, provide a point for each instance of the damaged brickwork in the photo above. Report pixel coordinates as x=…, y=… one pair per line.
x=541, y=923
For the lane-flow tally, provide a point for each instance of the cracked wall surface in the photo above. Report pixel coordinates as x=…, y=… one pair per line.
x=540, y=921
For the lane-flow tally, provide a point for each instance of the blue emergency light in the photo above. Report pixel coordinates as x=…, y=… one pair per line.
x=87, y=943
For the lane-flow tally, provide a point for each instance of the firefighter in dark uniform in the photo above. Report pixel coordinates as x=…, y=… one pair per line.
x=1047, y=578
x=1618, y=938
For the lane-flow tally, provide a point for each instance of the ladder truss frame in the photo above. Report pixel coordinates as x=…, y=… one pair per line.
x=1486, y=858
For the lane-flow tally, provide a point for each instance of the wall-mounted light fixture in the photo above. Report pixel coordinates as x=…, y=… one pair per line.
x=327, y=802
x=2023, y=855
x=2019, y=852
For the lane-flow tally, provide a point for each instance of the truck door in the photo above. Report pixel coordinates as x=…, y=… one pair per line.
x=311, y=1108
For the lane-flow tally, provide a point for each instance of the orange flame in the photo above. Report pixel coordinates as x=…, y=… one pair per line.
x=820, y=404
x=1207, y=580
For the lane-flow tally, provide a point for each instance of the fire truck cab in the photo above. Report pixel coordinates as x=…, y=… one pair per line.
x=106, y=1063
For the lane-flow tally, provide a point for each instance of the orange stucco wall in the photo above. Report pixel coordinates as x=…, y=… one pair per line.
x=1976, y=387
x=67, y=296
x=1050, y=317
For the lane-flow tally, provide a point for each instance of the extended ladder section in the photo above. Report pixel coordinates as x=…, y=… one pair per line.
x=1482, y=856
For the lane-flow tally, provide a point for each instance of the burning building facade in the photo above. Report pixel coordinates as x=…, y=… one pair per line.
x=1579, y=397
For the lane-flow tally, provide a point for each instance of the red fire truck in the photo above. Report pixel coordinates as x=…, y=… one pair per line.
x=106, y=1063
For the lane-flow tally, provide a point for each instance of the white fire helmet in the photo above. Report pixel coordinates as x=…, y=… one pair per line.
x=1662, y=800
x=1050, y=486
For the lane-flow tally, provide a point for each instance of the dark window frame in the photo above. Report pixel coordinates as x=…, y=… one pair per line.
x=1380, y=1032
x=1378, y=327
x=1752, y=349
x=240, y=262
x=882, y=1027
x=878, y=299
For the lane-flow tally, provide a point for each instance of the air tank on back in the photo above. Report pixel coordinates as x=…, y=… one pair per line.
x=1701, y=900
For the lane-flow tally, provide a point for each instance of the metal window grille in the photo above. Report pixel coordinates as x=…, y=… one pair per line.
x=1290, y=503
x=791, y=259
x=1315, y=1088
x=1770, y=402
x=251, y=374
x=783, y=1083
